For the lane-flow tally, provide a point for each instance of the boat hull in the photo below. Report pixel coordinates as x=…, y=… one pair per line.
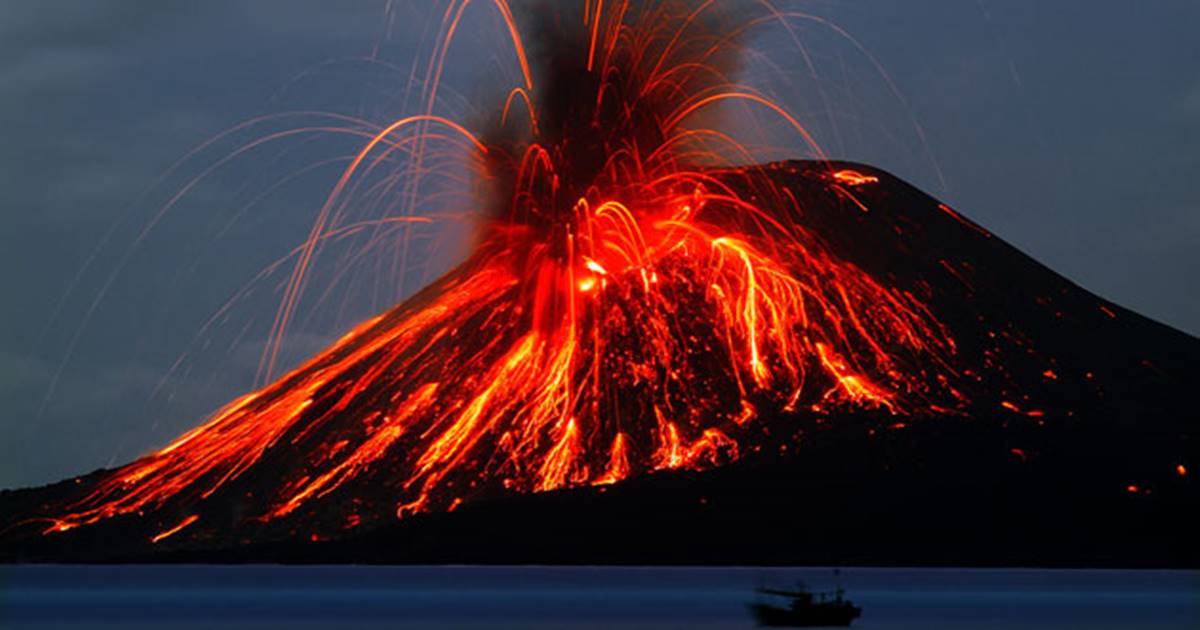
x=817, y=615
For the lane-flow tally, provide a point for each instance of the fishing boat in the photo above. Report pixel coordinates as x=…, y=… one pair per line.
x=801, y=608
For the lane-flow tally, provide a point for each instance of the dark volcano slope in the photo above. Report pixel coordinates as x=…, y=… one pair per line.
x=944, y=496
x=1078, y=446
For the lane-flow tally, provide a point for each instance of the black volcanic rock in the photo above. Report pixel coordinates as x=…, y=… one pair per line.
x=1078, y=445
x=935, y=497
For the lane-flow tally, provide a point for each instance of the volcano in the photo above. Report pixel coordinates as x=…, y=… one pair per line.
x=1048, y=419
x=661, y=350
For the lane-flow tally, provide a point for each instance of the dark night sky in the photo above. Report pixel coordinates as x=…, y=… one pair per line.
x=1070, y=129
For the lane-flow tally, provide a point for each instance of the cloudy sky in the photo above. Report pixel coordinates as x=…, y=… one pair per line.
x=1069, y=128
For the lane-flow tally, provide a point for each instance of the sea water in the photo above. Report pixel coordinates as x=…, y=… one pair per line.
x=78, y=597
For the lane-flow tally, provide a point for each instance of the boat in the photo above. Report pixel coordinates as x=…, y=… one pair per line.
x=803, y=608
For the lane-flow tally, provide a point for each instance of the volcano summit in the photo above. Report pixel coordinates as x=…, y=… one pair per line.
x=1044, y=411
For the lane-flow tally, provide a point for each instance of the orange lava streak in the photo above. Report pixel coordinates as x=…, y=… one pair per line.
x=691, y=108
x=556, y=469
x=175, y=530
x=595, y=19
x=618, y=462
x=856, y=387
x=524, y=94
x=963, y=220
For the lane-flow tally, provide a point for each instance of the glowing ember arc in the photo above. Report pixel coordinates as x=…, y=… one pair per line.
x=174, y=530
x=625, y=311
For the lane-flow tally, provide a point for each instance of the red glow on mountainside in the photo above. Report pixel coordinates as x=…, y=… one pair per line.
x=624, y=312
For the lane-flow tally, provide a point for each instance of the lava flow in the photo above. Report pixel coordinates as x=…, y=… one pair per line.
x=625, y=309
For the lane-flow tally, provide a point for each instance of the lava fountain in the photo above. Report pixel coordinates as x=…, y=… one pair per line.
x=635, y=302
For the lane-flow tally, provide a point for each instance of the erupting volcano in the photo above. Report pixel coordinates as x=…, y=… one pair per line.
x=642, y=299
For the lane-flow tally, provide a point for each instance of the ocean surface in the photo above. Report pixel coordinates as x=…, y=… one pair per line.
x=223, y=597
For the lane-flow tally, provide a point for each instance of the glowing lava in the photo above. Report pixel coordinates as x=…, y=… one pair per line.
x=625, y=310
